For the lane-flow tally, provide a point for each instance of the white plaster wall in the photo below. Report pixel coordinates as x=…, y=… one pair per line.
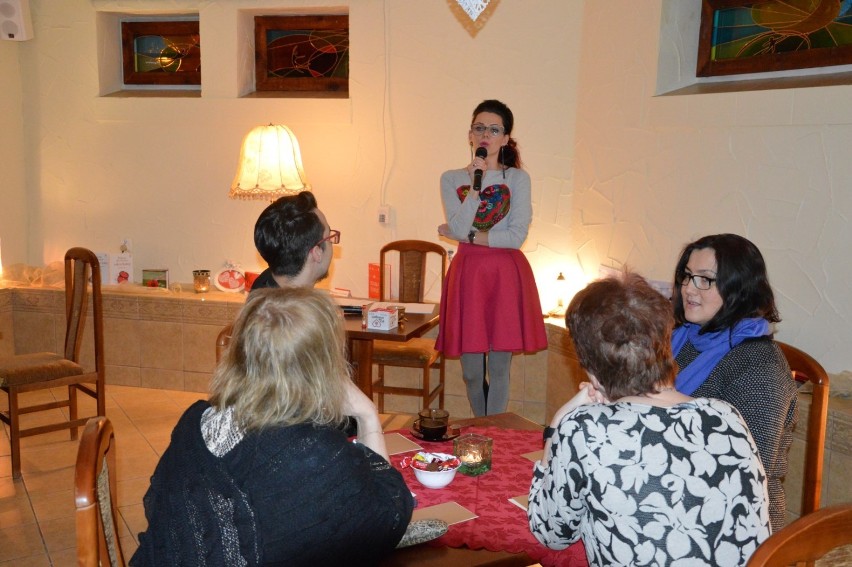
x=157, y=170
x=653, y=173
x=13, y=193
x=619, y=176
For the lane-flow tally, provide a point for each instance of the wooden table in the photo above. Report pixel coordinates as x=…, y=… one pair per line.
x=361, y=342
x=426, y=555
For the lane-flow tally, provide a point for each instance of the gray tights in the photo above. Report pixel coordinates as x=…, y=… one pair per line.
x=487, y=396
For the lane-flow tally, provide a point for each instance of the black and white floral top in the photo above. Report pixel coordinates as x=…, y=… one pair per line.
x=646, y=485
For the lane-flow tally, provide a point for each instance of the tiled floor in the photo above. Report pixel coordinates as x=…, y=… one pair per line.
x=37, y=511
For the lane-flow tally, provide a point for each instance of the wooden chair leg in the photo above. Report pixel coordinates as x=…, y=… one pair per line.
x=15, y=433
x=101, y=384
x=426, y=390
x=72, y=408
x=381, y=393
x=442, y=382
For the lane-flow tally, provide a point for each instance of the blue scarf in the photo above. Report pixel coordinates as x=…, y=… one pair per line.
x=711, y=347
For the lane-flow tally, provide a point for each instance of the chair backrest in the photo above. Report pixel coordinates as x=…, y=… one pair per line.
x=223, y=339
x=806, y=539
x=806, y=369
x=412, y=268
x=82, y=268
x=95, y=497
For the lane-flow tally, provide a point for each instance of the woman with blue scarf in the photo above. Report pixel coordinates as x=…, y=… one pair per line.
x=724, y=308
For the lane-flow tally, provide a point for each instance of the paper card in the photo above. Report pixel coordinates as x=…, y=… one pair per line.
x=120, y=268
x=450, y=512
x=534, y=455
x=521, y=501
x=396, y=444
x=103, y=259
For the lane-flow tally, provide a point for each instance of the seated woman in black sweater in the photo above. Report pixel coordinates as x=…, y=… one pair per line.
x=261, y=475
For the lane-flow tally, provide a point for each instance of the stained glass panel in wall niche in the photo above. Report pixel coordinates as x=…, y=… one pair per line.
x=302, y=54
x=738, y=36
x=161, y=53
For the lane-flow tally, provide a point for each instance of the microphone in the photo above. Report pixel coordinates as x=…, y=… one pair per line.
x=481, y=152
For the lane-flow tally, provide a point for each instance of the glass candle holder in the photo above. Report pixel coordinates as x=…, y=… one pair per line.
x=201, y=280
x=474, y=452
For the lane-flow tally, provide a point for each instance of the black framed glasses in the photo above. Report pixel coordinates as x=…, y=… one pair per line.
x=480, y=129
x=700, y=282
x=333, y=237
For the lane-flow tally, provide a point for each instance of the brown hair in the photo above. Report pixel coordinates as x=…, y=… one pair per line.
x=286, y=362
x=621, y=328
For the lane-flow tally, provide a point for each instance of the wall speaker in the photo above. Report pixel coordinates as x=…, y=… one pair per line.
x=15, y=21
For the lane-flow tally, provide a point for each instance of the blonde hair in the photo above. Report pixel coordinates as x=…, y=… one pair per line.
x=286, y=362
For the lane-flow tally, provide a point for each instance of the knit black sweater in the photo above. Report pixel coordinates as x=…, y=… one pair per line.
x=297, y=495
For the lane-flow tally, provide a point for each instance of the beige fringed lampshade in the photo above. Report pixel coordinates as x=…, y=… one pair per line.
x=270, y=165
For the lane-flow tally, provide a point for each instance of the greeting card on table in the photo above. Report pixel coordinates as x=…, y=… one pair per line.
x=450, y=512
x=397, y=444
x=534, y=455
x=522, y=501
x=103, y=260
x=121, y=268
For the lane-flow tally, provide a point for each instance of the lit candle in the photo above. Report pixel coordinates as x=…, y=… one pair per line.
x=474, y=451
x=472, y=458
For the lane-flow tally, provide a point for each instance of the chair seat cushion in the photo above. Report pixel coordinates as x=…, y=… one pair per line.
x=415, y=352
x=37, y=367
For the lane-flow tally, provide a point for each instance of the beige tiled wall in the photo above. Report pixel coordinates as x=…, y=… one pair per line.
x=836, y=487
x=152, y=338
x=7, y=338
x=160, y=339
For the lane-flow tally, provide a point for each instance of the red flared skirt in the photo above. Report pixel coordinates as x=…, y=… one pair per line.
x=490, y=302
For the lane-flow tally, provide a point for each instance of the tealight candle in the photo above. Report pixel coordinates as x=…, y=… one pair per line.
x=474, y=452
x=201, y=280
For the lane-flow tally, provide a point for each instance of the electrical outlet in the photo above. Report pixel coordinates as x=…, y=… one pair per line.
x=384, y=214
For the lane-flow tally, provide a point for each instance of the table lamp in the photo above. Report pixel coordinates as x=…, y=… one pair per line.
x=270, y=165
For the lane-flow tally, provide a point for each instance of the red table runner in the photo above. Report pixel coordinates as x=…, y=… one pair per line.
x=501, y=525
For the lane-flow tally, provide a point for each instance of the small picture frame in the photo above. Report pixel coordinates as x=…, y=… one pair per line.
x=230, y=279
x=158, y=277
x=162, y=52
x=306, y=55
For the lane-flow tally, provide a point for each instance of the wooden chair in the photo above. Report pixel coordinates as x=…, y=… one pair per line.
x=418, y=352
x=43, y=370
x=95, y=497
x=806, y=539
x=223, y=339
x=806, y=369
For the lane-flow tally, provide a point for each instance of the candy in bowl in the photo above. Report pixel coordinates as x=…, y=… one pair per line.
x=433, y=470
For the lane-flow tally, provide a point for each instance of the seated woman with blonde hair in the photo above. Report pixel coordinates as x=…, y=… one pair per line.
x=261, y=474
x=643, y=474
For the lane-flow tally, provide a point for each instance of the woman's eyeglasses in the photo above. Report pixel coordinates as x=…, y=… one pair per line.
x=333, y=237
x=480, y=129
x=700, y=282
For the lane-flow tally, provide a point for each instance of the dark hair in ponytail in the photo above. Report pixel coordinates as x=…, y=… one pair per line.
x=509, y=156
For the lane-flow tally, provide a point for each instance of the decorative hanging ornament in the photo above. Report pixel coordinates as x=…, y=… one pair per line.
x=473, y=8
x=473, y=14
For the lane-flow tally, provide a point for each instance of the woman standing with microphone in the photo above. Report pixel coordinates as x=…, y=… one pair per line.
x=489, y=306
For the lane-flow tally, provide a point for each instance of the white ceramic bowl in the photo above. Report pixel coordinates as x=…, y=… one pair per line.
x=437, y=479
